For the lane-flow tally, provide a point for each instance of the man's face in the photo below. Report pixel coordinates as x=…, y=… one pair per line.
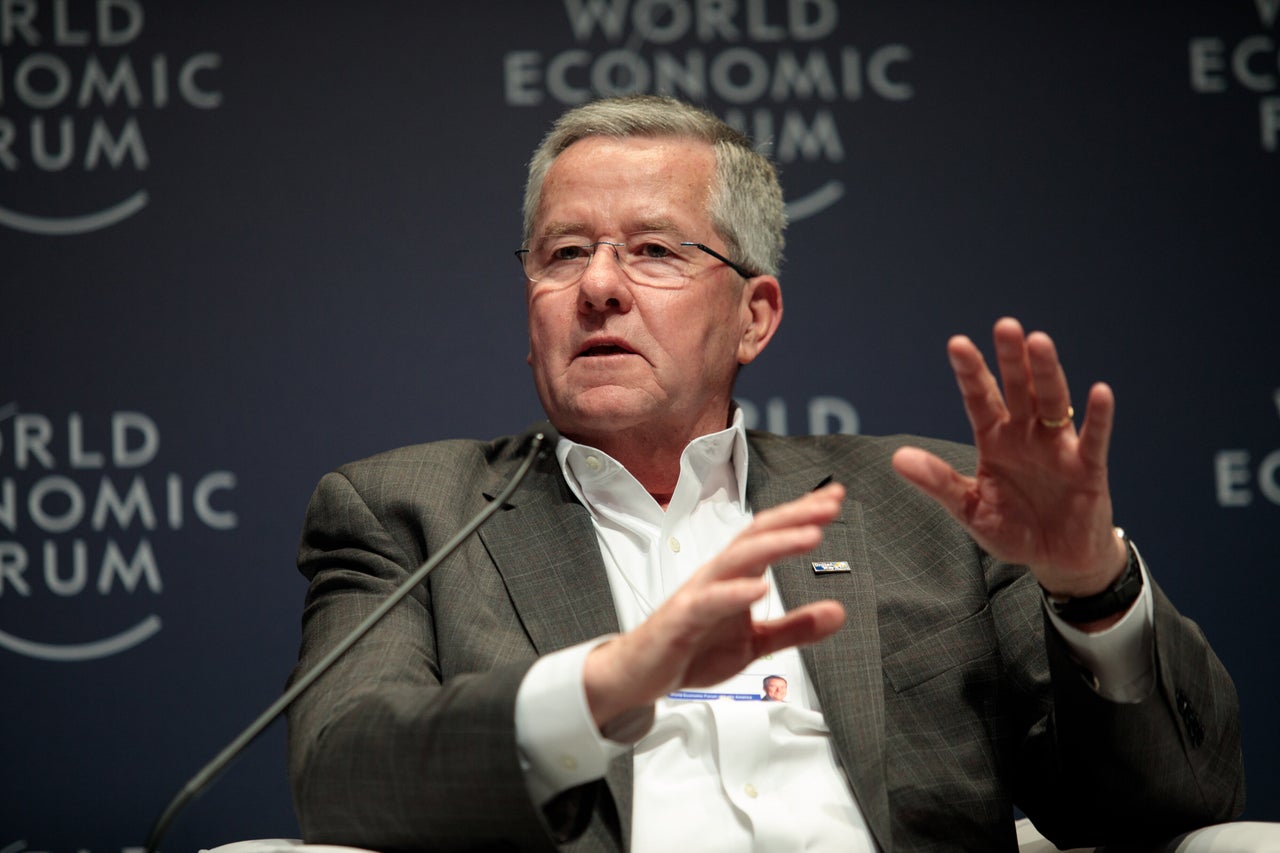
x=776, y=689
x=609, y=354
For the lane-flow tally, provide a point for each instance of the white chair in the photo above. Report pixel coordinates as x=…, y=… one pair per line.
x=1239, y=837
x=281, y=845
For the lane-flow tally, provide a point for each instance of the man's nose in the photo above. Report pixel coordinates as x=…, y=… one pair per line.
x=604, y=284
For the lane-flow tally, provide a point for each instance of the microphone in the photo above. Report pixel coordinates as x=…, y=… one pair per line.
x=540, y=438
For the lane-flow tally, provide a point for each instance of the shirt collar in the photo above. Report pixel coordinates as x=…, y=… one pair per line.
x=595, y=476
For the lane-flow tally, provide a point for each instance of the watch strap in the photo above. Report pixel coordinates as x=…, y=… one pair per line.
x=1116, y=598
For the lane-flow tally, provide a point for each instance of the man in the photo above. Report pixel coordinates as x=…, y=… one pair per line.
x=537, y=690
x=775, y=689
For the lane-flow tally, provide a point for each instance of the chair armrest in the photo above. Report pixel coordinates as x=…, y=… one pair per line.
x=1235, y=837
x=281, y=845
x=1239, y=837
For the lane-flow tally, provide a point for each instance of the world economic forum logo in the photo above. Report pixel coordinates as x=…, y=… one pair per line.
x=83, y=503
x=1243, y=67
x=75, y=85
x=1240, y=475
x=781, y=72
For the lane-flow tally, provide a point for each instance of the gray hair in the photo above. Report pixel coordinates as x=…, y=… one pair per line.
x=745, y=202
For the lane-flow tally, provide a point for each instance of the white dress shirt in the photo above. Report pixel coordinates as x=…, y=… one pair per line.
x=743, y=773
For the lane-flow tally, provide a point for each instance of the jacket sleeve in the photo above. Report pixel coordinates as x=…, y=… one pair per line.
x=1094, y=771
x=384, y=752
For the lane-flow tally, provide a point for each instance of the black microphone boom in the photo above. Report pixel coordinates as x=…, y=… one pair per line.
x=540, y=435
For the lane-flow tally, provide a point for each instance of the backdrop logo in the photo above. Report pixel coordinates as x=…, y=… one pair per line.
x=1236, y=475
x=1250, y=64
x=778, y=66
x=75, y=86
x=825, y=415
x=83, y=501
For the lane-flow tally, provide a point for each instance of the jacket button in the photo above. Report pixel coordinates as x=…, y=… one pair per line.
x=1190, y=719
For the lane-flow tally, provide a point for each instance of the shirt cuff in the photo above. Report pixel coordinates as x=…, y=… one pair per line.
x=1119, y=662
x=560, y=746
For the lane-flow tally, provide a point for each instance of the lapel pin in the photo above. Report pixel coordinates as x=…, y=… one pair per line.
x=830, y=567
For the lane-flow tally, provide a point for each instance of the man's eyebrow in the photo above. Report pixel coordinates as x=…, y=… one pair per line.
x=662, y=224
x=560, y=229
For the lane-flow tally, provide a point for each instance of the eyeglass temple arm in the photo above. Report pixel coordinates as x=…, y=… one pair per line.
x=719, y=257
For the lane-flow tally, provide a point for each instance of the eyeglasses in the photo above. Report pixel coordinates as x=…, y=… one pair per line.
x=654, y=258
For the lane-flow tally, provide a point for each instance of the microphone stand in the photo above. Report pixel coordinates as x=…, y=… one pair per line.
x=541, y=434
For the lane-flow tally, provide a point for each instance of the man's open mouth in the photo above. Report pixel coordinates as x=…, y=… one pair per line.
x=605, y=349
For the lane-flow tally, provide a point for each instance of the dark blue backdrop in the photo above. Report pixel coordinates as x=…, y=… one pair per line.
x=241, y=243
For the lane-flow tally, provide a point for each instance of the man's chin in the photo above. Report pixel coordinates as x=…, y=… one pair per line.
x=603, y=409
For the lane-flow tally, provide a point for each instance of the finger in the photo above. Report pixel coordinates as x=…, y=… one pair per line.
x=799, y=627
x=751, y=552
x=711, y=605
x=816, y=507
x=982, y=400
x=936, y=479
x=782, y=531
x=1015, y=369
x=1053, y=398
x=1095, y=430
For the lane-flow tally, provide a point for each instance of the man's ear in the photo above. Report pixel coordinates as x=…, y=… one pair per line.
x=761, y=314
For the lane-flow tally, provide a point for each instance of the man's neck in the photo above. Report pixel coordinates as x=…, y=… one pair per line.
x=654, y=464
x=651, y=456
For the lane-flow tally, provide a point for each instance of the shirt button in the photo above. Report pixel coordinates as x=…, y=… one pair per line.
x=674, y=544
x=568, y=762
x=750, y=790
x=594, y=463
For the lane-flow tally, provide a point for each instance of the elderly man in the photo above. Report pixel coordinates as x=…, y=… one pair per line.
x=775, y=689
x=954, y=643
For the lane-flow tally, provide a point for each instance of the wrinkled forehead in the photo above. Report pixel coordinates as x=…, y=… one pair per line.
x=627, y=184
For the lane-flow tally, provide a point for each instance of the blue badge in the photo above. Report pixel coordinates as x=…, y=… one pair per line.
x=828, y=568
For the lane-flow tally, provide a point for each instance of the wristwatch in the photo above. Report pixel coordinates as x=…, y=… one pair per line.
x=1116, y=598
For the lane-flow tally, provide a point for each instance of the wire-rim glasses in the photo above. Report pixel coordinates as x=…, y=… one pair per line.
x=656, y=258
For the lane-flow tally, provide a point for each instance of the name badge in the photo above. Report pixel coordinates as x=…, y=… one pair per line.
x=830, y=567
x=762, y=686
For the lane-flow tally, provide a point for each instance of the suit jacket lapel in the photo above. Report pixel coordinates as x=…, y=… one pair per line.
x=546, y=549
x=846, y=667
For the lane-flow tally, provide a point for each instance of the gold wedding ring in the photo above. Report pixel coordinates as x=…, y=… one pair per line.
x=1059, y=423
